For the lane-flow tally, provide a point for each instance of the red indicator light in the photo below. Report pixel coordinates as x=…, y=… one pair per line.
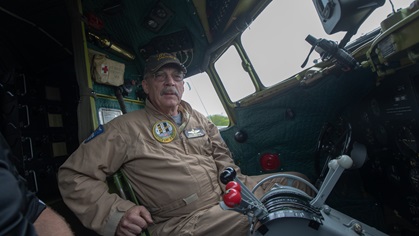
x=269, y=161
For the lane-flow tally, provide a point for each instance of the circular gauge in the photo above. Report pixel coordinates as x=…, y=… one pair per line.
x=375, y=108
x=414, y=179
x=393, y=174
x=380, y=134
x=369, y=136
x=413, y=162
x=365, y=117
x=406, y=141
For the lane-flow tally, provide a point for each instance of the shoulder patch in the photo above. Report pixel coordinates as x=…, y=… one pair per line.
x=164, y=131
x=95, y=133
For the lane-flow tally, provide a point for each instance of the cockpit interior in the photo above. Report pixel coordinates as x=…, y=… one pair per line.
x=360, y=99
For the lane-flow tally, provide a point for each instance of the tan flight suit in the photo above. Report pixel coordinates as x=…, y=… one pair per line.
x=176, y=180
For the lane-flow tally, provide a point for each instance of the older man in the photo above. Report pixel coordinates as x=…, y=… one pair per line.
x=173, y=156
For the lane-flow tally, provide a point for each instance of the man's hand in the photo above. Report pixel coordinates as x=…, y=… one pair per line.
x=134, y=221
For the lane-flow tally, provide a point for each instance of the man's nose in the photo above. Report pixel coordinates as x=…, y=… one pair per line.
x=169, y=80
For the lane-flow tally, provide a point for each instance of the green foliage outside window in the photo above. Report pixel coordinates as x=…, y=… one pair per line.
x=219, y=120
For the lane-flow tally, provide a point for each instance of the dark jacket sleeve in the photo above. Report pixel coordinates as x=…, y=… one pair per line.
x=19, y=208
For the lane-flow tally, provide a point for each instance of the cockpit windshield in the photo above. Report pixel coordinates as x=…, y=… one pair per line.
x=275, y=43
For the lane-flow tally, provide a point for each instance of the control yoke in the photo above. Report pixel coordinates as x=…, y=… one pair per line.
x=329, y=49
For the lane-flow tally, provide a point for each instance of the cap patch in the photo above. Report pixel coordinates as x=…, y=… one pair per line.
x=162, y=56
x=155, y=62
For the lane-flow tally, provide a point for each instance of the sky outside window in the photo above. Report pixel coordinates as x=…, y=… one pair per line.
x=275, y=43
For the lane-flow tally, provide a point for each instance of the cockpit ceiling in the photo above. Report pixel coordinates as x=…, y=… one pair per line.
x=34, y=33
x=147, y=27
x=39, y=32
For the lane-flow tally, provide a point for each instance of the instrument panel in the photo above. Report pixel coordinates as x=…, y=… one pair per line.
x=386, y=122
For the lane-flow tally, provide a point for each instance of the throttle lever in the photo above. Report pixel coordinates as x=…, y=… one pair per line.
x=336, y=168
x=247, y=202
x=229, y=174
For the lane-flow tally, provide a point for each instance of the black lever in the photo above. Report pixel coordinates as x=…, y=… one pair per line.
x=329, y=49
x=228, y=175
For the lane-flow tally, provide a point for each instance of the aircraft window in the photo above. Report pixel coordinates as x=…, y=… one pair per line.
x=236, y=81
x=275, y=43
x=200, y=93
x=276, y=46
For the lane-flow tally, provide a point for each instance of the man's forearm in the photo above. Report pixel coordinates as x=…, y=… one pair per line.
x=50, y=223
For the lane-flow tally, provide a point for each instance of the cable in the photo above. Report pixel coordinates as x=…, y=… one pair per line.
x=392, y=6
x=199, y=97
x=191, y=57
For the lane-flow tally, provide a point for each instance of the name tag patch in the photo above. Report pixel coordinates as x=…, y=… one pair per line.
x=194, y=133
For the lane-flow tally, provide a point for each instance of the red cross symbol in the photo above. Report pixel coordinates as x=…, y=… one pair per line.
x=105, y=69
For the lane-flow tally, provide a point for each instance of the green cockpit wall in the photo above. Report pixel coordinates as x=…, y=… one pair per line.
x=197, y=32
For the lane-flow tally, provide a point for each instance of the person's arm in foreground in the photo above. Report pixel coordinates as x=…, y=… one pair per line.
x=20, y=210
x=50, y=223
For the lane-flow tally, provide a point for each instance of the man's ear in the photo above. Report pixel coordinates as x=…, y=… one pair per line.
x=145, y=86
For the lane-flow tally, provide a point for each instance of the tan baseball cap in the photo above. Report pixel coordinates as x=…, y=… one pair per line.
x=155, y=62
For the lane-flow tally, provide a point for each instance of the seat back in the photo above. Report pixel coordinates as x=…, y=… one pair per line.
x=119, y=183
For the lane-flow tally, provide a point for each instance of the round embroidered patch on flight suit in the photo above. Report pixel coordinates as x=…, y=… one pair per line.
x=164, y=131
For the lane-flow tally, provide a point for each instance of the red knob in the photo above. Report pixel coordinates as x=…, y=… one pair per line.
x=234, y=185
x=232, y=197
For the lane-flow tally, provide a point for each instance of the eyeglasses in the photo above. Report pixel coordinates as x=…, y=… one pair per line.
x=161, y=76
